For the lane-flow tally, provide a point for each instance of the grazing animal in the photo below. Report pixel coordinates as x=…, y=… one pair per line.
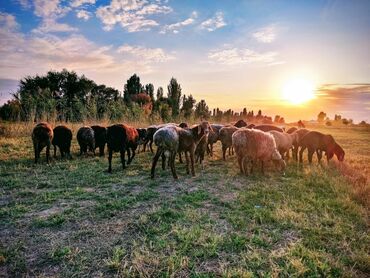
x=251, y=126
x=252, y=146
x=267, y=128
x=100, y=136
x=284, y=142
x=300, y=134
x=240, y=123
x=213, y=137
x=183, y=125
x=150, y=133
x=62, y=139
x=172, y=139
x=318, y=142
x=226, y=134
x=201, y=149
x=121, y=138
x=301, y=124
x=149, y=137
x=86, y=139
x=291, y=130
x=42, y=135
x=142, y=137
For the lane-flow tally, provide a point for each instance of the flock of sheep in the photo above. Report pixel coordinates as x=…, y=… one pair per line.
x=252, y=144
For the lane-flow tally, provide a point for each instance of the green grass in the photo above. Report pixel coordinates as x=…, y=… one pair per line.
x=72, y=218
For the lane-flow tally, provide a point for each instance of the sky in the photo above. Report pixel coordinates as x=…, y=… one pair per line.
x=233, y=54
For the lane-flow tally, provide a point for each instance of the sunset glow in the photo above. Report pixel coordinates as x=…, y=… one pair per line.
x=298, y=91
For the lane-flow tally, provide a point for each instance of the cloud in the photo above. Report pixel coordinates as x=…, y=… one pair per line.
x=238, y=56
x=176, y=26
x=51, y=26
x=266, y=34
x=50, y=11
x=78, y=3
x=8, y=21
x=83, y=14
x=45, y=52
x=146, y=55
x=214, y=23
x=25, y=4
x=132, y=15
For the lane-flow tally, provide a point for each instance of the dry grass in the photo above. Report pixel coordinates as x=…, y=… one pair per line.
x=71, y=218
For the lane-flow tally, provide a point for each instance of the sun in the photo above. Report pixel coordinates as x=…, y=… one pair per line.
x=298, y=91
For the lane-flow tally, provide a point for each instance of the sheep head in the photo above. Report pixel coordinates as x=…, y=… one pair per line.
x=278, y=160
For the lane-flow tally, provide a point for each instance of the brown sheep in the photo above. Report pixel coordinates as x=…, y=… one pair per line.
x=267, y=128
x=62, y=139
x=172, y=139
x=284, y=142
x=252, y=146
x=250, y=126
x=86, y=139
x=121, y=138
x=300, y=134
x=240, y=123
x=291, y=130
x=318, y=142
x=142, y=137
x=42, y=135
x=100, y=136
x=213, y=137
x=201, y=149
x=226, y=134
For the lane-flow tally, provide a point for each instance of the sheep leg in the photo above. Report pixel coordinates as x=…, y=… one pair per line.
x=180, y=158
x=155, y=160
x=123, y=161
x=240, y=162
x=229, y=151
x=301, y=154
x=55, y=151
x=35, y=147
x=187, y=163
x=172, y=165
x=133, y=154
x=110, y=154
x=310, y=154
x=144, y=146
x=163, y=161
x=295, y=153
x=150, y=146
x=101, y=150
x=224, y=148
x=319, y=155
x=232, y=150
x=208, y=149
x=47, y=153
x=192, y=162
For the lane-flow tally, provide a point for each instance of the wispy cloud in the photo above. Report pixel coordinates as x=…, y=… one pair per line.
x=214, y=23
x=132, y=15
x=175, y=27
x=238, y=56
x=78, y=3
x=83, y=14
x=50, y=11
x=74, y=52
x=266, y=34
x=25, y=4
x=146, y=55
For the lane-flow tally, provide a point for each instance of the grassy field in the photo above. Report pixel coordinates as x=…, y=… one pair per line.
x=72, y=219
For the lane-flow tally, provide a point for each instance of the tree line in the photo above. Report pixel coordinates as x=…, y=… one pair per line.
x=68, y=97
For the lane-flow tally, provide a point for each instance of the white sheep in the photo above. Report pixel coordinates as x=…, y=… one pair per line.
x=254, y=145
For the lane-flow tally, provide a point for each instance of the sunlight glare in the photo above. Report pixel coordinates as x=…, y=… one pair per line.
x=298, y=91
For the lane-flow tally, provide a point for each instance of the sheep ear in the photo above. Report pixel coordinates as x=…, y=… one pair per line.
x=199, y=129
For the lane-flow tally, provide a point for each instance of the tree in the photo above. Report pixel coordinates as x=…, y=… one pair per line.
x=149, y=88
x=321, y=117
x=202, y=110
x=132, y=88
x=159, y=93
x=174, y=95
x=187, y=106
